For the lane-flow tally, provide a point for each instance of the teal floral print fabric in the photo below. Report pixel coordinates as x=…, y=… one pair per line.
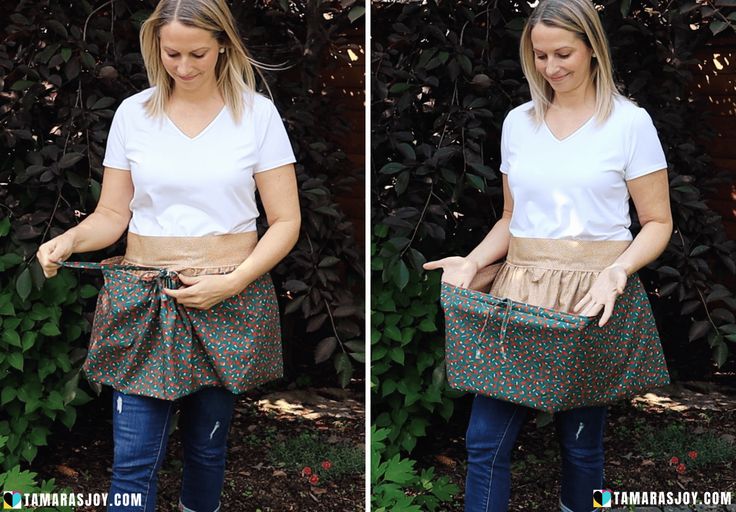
x=549, y=360
x=144, y=343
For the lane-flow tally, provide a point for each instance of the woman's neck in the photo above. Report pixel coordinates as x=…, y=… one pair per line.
x=582, y=98
x=204, y=94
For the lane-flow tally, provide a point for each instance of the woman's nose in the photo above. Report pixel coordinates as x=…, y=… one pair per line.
x=552, y=67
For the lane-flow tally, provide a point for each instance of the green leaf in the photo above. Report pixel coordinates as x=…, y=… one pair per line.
x=4, y=226
x=22, y=481
x=328, y=261
x=29, y=452
x=698, y=330
x=718, y=26
x=398, y=470
x=70, y=159
x=401, y=275
x=95, y=189
x=392, y=332
x=356, y=12
x=55, y=401
x=397, y=355
x=87, y=291
x=400, y=87
x=12, y=338
x=392, y=168
x=29, y=339
x=21, y=85
x=720, y=354
x=15, y=360
x=7, y=395
x=625, y=7
x=66, y=53
x=104, y=102
x=50, y=329
x=88, y=60
x=23, y=284
x=344, y=369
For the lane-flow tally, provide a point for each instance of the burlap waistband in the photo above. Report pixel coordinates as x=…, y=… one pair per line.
x=586, y=255
x=190, y=252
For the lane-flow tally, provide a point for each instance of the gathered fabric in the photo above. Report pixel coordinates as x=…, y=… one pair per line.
x=143, y=342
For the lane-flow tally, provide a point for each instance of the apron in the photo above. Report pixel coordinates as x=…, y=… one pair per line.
x=144, y=343
x=512, y=334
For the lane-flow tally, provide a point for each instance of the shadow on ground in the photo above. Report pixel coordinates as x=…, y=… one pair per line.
x=308, y=424
x=642, y=436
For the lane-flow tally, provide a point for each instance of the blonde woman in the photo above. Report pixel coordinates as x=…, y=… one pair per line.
x=571, y=159
x=183, y=161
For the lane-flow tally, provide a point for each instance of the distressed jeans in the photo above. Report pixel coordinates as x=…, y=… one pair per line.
x=140, y=434
x=492, y=431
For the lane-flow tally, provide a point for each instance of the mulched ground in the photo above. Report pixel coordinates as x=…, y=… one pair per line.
x=535, y=464
x=80, y=460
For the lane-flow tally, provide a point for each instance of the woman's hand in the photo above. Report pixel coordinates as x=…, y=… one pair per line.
x=57, y=249
x=609, y=284
x=456, y=270
x=203, y=292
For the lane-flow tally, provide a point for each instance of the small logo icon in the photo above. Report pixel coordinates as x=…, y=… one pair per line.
x=12, y=500
x=602, y=499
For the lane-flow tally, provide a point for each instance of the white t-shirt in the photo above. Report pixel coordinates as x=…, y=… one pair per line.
x=575, y=188
x=195, y=186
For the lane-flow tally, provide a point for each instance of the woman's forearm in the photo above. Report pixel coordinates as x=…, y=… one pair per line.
x=100, y=229
x=646, y=246
x=494, y=246
x=275, y=244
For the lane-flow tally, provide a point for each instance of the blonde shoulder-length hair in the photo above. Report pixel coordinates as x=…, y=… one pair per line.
x=581, y=18
x=235, y=69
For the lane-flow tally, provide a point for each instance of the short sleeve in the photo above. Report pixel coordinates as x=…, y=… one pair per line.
x=645, y=154
x=504, y=167
x=115, y=152
x=274, y=148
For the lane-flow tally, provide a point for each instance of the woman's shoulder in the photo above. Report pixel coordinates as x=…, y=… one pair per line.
x=626, y=111
x=258, y=102
x=136, y=102
x=520, y=113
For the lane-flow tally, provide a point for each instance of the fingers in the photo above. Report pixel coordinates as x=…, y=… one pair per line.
x=44, y=255
x=607, y=312
x=592, y=309
x=189, y=280
x=434, y=265
x=585, y=300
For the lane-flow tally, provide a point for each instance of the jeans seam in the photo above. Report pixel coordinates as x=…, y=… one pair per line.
x=158, y=455
x=493, y=462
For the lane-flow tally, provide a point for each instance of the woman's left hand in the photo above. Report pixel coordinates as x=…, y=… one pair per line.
x=203, y=292
x=609, y=284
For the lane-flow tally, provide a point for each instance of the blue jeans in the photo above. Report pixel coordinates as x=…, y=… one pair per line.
x=140, y=433
x=494, y=426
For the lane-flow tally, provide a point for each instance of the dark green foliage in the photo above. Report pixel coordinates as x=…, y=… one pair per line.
x=64, y=68
x=444, y=76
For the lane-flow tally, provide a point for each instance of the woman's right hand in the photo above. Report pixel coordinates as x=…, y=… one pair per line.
x=456, y=270
x=57, y=249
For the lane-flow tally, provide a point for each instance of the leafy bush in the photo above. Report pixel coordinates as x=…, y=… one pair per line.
x=444, y=76
x=63, y=69
x=390, y=480
x=25, y=482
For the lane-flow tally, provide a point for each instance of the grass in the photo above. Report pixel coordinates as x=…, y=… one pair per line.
x=676, y=441
x=310, y=450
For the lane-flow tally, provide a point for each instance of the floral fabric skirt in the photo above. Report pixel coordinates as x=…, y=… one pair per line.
x=512, y=334
x=143, y=342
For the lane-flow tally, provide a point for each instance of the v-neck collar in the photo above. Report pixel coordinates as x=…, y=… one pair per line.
x=202, y=131
x=571, y=135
